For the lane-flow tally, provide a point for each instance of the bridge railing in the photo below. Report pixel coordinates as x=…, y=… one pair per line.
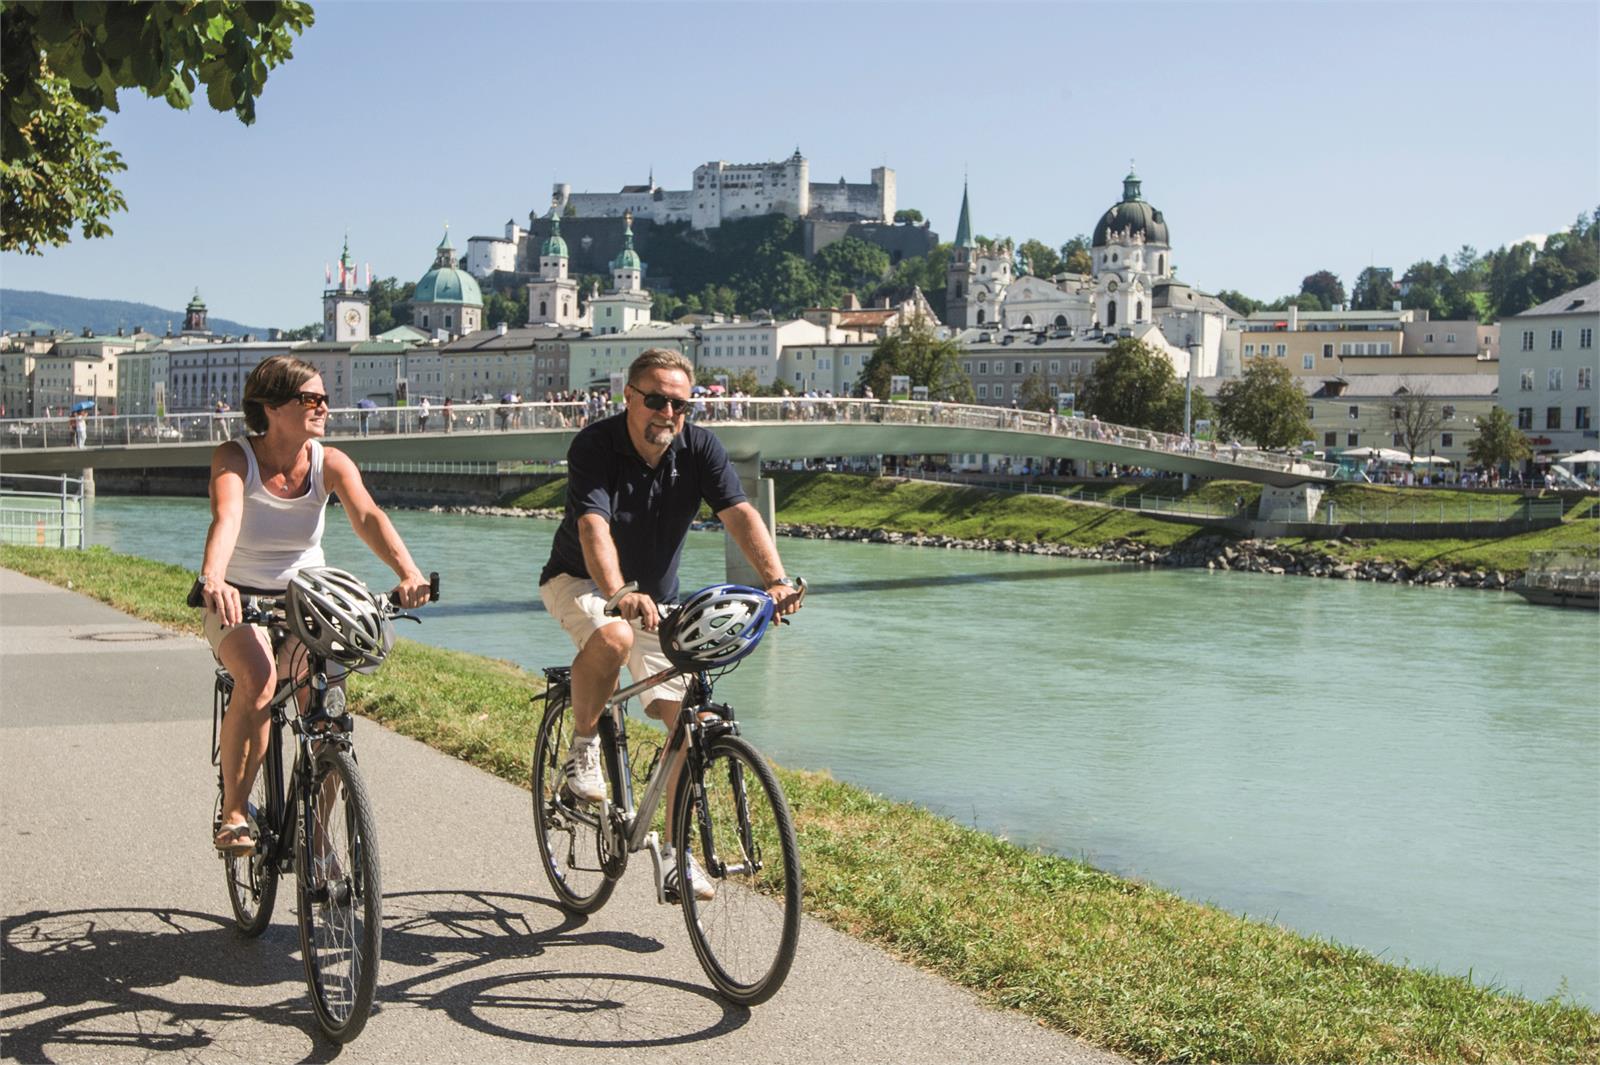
x=203, y=426
x=42, y=511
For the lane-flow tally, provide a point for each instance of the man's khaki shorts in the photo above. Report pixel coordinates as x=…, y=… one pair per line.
x=577, y=604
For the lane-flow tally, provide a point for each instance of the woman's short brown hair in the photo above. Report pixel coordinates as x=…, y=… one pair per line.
x=274, y=381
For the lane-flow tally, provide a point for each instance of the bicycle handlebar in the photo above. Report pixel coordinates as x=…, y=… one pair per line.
x=391, y=601
x=612, y=607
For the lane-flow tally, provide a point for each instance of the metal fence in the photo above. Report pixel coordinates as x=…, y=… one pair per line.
x=42, y=511
x=1077, y=493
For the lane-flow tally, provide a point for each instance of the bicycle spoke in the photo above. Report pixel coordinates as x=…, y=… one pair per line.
x=567, y=831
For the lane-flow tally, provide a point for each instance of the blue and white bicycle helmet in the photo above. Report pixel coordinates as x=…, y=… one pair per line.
x=334, y=615
x=715, y=627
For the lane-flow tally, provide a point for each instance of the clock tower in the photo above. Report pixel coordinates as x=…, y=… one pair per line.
x=346, y=311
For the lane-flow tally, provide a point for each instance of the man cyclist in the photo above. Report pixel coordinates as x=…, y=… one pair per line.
x=635, y=481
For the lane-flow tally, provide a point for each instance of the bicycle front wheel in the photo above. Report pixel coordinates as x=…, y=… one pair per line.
x=566, y=829
x=736, y=823
x=341, y=895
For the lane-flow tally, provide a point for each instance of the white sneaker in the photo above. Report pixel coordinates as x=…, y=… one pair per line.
x=704, y=890
x=582, y=769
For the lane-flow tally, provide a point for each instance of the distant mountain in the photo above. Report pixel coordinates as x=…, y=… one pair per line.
x=21, y=310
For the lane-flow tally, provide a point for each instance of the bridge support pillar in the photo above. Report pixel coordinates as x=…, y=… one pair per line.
x=1297, y=503
x=88, y=483
x=763, y=497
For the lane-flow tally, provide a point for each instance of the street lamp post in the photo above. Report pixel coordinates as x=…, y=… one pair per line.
x=1188, y=401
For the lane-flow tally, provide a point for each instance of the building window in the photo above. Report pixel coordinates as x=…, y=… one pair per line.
x=1527, y=340
x=1249, y=350
x=1447, y=440
x=1055, y=365
x=1586, y=338
x=1399, y=439
x=983, y=367
x=1283, y=349
x=1585, y=378
x=1555, y=340
x=1449, y=338
x=1553, y=379
x=1527, y=380
x=1075, y=367
x=1308, y=362
x=983, y=391
x=1330, y=439
x=1016, y=367
x=1581, y=418
x=1427, y=338
x=1352, y=439
x=1355, y=412
x=1327, y=351
x=1449, y=412
x=1552, y=418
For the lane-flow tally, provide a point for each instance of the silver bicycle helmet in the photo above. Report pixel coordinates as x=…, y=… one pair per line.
x=715, y=627
x=333, y=614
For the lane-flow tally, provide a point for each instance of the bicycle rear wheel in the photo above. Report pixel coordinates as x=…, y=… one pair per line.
x=567, y=831
x=341, y=894
x=252, y=880
x=736, y=823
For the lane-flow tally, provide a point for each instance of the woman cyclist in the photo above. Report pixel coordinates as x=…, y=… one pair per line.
x=269, y=491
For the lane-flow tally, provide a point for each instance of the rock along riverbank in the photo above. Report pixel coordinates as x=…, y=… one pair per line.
x=1209, y=551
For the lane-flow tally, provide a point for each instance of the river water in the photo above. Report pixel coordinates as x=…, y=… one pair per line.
x=1414, y=771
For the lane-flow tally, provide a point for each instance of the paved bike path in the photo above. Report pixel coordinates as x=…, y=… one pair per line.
x=117, y=939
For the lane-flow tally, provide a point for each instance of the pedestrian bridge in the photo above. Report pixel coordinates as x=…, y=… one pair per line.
x=751, y=429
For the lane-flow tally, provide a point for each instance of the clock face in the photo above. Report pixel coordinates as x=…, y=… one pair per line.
x=1111, y=286
x=353, y=316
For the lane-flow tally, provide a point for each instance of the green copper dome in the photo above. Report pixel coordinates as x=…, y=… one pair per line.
x=555, y=246
x=1132, y=216
x=196, y=304
x=627, y=259
x=445, y=283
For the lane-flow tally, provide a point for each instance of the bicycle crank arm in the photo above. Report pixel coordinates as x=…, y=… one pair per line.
x=652, y=843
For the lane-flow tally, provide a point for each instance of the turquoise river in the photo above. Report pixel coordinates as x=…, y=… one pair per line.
x=1414, y=771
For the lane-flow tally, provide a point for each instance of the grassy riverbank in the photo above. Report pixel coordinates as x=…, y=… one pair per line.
x=1122, y=964
x=904, y=506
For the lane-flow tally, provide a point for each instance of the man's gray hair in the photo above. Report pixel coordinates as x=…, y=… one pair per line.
x=660, y=358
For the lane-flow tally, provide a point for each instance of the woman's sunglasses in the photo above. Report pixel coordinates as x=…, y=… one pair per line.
x=656, y=401
x=309, y=400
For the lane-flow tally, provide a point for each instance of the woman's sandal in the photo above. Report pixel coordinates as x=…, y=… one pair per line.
x=235, y=840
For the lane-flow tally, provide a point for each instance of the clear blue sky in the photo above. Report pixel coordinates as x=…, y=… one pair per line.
x=1278, y=139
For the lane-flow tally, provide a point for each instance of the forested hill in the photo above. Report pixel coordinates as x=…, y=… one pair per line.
x=22, y=310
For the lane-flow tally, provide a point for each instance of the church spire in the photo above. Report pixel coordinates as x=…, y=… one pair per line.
x=964, y=226
x=1130, y=185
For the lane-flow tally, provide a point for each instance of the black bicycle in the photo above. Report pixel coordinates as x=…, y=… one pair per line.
x=729, y=812
x=317, y=823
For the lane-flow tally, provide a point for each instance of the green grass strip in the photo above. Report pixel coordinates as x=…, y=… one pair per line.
x=1122, y=964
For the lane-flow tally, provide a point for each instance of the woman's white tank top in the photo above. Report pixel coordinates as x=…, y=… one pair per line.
x=278, y=536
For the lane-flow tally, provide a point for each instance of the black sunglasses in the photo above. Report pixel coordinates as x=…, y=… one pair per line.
x=656, y=401
x=309, y=400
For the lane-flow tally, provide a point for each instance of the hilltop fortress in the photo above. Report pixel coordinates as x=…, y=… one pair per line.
x=730, y=191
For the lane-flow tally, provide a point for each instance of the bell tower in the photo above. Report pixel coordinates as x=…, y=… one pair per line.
x=346, y=311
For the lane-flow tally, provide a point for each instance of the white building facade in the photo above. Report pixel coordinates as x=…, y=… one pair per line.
x=1548, y=364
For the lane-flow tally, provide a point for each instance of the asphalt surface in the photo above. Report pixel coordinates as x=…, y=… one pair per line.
x=118, y=946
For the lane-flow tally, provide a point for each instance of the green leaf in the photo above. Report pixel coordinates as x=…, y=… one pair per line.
x=218, y=96
x=178, y=96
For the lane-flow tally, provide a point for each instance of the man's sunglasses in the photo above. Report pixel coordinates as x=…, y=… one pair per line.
x=656, y=401
x=309, y=400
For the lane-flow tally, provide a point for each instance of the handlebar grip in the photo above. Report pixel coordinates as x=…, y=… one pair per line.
x=197, y=595
x=611, y=604
x=433, y=587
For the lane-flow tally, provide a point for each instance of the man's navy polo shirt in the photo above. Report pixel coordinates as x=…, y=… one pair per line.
x=649, y=510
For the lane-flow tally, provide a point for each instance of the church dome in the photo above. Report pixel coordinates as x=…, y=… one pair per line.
x=1132, y=217
x=555, y=246
x=445, y=283
x=627, y=259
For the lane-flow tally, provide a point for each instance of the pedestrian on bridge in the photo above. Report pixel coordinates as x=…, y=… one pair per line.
x=422, y=413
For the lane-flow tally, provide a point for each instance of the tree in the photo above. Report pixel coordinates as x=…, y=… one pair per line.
x=390, y=303
x=1076, y=257
x=1035, y=394
x=1499, y=443
x=1374, y=289
x=1240, y=304
x=1134, y=384
x=1266, y=406
x=61, y=66
x=1417, y=418
x=512, y=310
x=1038, y=258
x=914, y=351
x=907, y=216
x=309, y=331
x=1326, y=286
x=848, y=265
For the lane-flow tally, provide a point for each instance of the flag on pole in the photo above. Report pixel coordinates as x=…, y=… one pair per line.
x=369, y=275
x=327, y=274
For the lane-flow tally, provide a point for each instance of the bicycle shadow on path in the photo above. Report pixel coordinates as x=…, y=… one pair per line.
x=93, y=978
x=449, y=936
x=169, y=980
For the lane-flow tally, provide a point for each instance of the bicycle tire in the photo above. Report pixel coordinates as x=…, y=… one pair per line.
x=340, y=894
x=252, y=880
x=566, y=832
x=736, y=822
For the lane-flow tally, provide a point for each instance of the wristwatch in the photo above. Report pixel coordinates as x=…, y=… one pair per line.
x=787, y=582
